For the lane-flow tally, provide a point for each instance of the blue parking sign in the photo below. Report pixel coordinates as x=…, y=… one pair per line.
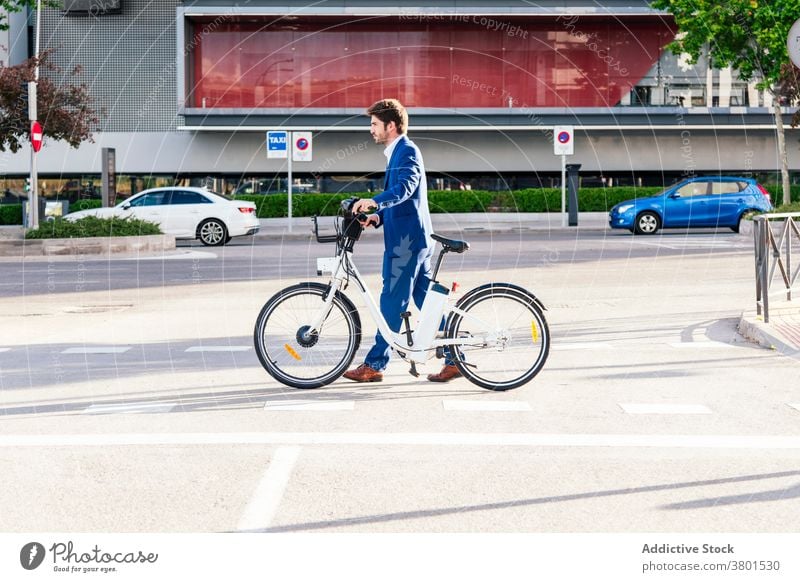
x=277, y=144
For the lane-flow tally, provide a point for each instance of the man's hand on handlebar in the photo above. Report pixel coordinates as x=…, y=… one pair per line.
x=372, y=220
x=363, y=205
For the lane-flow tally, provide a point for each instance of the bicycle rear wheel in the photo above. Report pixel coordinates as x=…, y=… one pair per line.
x=293, y=356
x=512, y=340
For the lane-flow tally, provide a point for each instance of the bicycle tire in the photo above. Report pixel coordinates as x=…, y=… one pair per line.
x=517, y=317
x=309, y=363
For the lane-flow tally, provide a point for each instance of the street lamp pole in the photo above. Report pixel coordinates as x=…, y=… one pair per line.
x=33, y=196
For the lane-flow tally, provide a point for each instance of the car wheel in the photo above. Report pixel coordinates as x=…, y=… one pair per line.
x=647, y=223
x=737, y=227
x=212, y=233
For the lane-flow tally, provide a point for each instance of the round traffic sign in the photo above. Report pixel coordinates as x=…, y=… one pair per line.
x=302, y=144
x=793, y=43
x=36, y=136
x=563, y=137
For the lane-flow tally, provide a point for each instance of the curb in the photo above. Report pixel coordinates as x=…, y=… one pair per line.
x=87, y=246
x=753, y=328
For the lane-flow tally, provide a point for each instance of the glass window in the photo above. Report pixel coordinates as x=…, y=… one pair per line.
x=725, y=187
x=693, y=189
x=151, y=199
x=463, y=61
x=184, y=197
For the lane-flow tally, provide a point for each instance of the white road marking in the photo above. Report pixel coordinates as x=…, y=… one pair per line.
x=631, y=408
x=581, y=346
x=219, y=348
x=757, y=442
x=97, y=350
x=261, y=510
x=700, y=345
x=310, y=405
x=486, y=405
x=176, y=256
x=132, y=408
x=5, y=349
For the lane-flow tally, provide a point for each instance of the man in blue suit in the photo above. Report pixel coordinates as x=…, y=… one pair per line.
x=402, y=211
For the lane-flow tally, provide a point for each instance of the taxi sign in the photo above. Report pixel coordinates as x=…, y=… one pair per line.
x=277, y=144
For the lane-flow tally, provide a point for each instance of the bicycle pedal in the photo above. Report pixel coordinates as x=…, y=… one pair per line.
x=413, y=370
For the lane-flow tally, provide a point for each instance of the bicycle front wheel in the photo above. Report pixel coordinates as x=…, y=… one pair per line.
x=293, y=353
x=510, y=338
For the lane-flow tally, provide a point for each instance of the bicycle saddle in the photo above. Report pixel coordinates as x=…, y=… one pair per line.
x=451, y=245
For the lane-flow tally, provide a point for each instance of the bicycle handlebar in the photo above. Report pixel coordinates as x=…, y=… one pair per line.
x=352, y=224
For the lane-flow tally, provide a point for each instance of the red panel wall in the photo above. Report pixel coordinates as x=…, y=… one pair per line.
x=439, y=63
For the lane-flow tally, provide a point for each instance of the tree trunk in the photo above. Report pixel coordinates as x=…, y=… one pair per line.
x=787, y=196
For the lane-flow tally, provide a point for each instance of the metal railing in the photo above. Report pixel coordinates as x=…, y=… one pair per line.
x=772, y=256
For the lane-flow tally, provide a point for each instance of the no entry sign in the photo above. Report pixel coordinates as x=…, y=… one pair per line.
x=36, y=136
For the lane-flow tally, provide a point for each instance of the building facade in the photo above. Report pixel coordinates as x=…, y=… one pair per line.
x=190, y=88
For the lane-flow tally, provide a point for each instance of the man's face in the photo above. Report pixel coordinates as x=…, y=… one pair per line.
x=381, y=132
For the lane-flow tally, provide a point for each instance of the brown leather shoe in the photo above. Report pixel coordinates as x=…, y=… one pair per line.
x=447, y=373
x=364, y=374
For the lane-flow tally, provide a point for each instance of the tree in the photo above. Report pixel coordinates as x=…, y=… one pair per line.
x=66, y=111
x=18, y=6
x=747, y=35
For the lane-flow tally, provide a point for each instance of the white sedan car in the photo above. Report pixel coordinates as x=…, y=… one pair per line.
x=186, y=213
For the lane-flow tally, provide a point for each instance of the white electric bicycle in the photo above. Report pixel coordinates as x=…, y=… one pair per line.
x=307, y=335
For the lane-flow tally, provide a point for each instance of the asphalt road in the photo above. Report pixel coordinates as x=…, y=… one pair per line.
x=249, y=259
x=144, y=409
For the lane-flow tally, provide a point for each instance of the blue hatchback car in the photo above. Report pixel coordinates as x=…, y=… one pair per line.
x=716, y=201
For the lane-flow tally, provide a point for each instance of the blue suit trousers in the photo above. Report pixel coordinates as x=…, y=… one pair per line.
x=406, y=274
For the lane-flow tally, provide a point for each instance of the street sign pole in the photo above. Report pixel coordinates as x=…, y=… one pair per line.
x=289, y=146
x=563, y=190
x=563, y=145
x=33, y=195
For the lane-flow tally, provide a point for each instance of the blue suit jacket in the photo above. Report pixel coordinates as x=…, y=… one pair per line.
x=403, y=204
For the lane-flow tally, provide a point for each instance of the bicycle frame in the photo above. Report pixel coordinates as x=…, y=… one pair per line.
x=345, y=270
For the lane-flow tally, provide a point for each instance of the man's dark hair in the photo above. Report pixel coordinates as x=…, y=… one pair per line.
x=390, y=110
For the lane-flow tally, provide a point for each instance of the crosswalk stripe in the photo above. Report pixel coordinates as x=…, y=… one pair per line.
x=97, y=350
x=309, y=405
x=219, y=348
x=132, y=408
x=701, y=345
x=582, y=346
x=486, y=405
x=633, y=408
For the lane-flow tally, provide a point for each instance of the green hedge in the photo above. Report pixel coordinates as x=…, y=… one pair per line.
x=91, y=226
x=776, y=192
x=528, y=200
x=85, y=205
x=11, y=214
